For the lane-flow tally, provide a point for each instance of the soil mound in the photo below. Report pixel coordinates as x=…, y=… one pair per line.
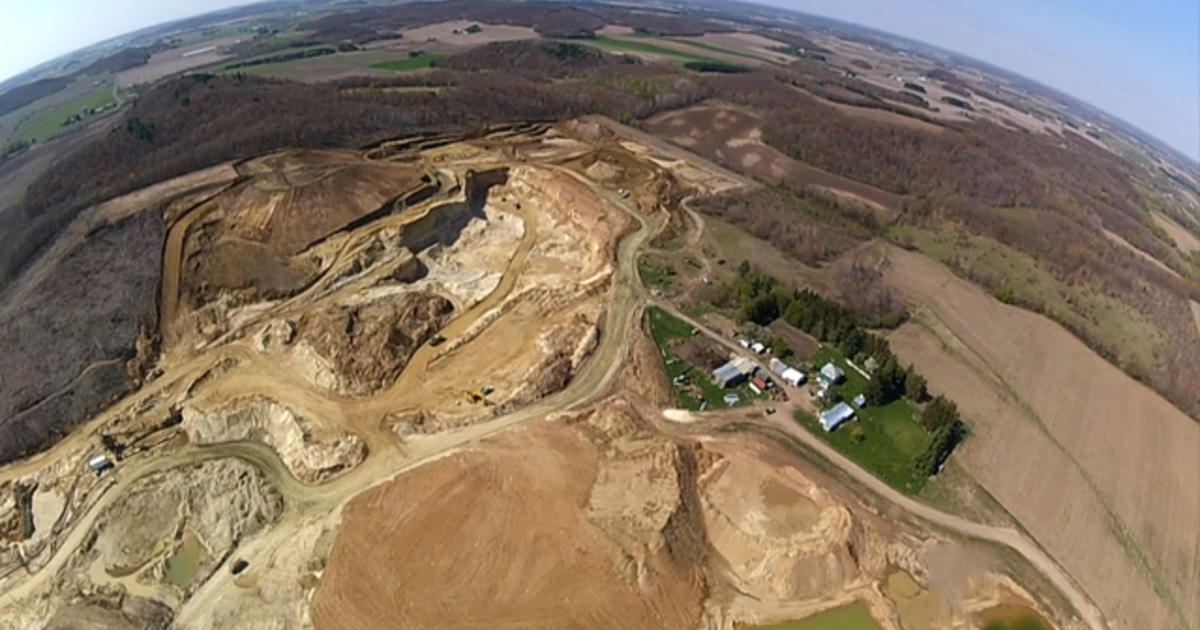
x=368, y=345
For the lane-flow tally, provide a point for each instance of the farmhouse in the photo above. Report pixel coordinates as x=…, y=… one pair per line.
x=833, y=418
x=831, y=374
x=793, y=376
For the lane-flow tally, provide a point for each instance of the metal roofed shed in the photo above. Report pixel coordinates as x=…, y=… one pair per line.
x=793, y=376
x=728, y=375
x=777, y=366
x=860, y=401
x=100, y=463
x=833, y=418
x=831, y=374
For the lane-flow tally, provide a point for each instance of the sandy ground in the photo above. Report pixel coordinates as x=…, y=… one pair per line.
x=510, y=511
x=1195, y=312
x=1184, y=239
x=1042, y=406
x=564, y=500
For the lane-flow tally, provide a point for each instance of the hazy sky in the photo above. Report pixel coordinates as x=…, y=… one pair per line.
x=1139, y=60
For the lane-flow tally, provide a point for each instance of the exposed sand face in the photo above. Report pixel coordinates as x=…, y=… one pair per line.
x=1043, y=406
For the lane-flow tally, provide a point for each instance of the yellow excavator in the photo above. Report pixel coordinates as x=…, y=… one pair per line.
x=476, y=397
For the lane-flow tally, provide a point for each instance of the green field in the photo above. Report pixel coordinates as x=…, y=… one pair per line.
x=852, y=617
x=717, y=49
x=420, y=62
x=664, y=328
x=260, y=61
x=44, y=124
x=633, y=46
x=884, y=440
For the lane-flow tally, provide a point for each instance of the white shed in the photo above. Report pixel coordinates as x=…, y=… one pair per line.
x=793, y=376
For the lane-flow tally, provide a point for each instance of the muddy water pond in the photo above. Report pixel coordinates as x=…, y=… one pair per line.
x=1009, y=617
x=850, y=617
x=181, y=567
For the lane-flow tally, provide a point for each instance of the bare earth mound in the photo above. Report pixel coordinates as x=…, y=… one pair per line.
x=493, y=538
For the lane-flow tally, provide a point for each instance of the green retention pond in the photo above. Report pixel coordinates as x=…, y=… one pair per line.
x=1009, y=617
x=181, y=567
x=849, y=617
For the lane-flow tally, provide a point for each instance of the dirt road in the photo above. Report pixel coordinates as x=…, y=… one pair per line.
x=1011, y=538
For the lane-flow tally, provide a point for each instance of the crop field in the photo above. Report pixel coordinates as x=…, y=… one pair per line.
x=885, y=440
x=418, y=62
x=697, y=390
x=1041, y=405
x=45, y=124
x=643, y=48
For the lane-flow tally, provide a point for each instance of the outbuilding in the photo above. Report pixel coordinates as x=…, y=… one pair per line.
x=100, y=463
x=860, y=401
x=777, y=366
x=758, y=347
x=837, y=416
x=793, y=376
x=728, y=375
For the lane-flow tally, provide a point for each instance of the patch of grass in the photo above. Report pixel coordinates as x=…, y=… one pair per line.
x=852, y=617
x=641, y=47
x=884, y=440
x=698, y=388
x=49, y=122
x=408, y=64
x=656, y=275
x=717, y=49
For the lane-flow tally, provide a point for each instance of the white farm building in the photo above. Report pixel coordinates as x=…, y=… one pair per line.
x=833, y=418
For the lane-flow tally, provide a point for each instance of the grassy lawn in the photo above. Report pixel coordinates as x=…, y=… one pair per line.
x=664, y=329
x=46, y=123
x=891, y=436
x=420, y=62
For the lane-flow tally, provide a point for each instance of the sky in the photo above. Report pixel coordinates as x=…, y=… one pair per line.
x=1138, y=60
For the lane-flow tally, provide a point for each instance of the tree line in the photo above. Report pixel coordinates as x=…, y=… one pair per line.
x=761, y=298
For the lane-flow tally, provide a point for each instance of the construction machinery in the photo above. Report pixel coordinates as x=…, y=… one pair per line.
x=476, y=397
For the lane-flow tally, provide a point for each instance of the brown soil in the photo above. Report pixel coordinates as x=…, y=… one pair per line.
x=1043, y=406
x=370, y=344
x=499, y=532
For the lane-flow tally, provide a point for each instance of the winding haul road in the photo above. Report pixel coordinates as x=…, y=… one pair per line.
x=628, y=302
